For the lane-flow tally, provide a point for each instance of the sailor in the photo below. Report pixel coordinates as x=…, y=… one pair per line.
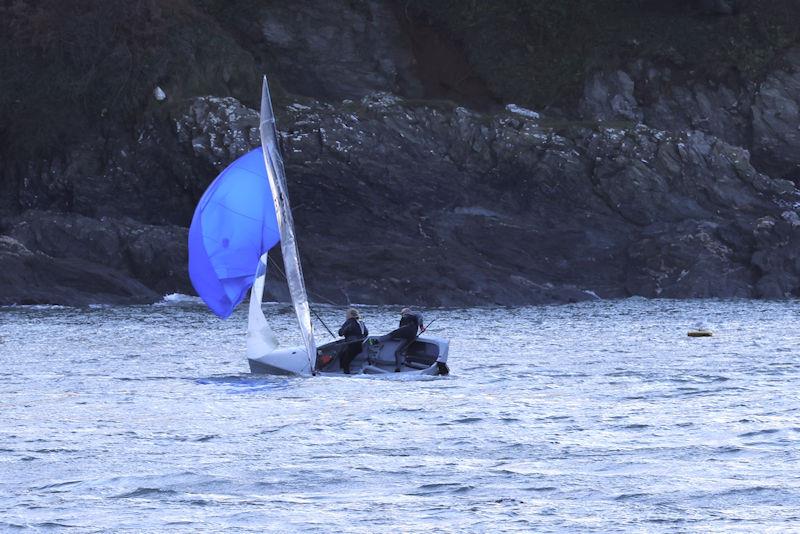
x=410, y=325
x=354, y=331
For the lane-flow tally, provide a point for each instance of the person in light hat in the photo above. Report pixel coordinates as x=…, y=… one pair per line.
x=354, y=332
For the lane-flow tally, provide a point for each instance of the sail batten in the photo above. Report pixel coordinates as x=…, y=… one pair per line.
x=291, y=256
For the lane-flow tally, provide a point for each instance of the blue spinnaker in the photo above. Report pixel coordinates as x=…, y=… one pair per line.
x=233, y=225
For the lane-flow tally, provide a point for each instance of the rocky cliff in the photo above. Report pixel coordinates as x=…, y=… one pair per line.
x=437, y=153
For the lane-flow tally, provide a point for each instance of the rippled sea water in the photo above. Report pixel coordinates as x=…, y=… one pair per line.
x=600, y=416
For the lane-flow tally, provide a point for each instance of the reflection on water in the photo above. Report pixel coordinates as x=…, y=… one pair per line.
x=597, y=416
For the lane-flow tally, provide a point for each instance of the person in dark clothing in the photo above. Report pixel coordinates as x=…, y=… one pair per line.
x=354, y=332
x=410, y=325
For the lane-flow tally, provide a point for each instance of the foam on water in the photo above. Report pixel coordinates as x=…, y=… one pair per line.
x=600, y=416
x=180, y=298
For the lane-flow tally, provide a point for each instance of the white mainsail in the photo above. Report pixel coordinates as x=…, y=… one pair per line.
x=291, y=256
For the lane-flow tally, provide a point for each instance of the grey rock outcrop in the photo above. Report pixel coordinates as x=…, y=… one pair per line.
x=485, y=204
x=480, y=205
x=762, y=118
x=664, y=98
x=776, y=119
x=609, y=96
x=149, y=178
x=219, y=130
x=69, y=258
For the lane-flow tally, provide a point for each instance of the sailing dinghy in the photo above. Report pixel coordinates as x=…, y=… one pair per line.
x=241, y=216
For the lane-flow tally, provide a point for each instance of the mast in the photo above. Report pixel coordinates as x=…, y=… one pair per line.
x=283, y=212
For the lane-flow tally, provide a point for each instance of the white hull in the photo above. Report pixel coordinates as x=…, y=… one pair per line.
x=425, y=356
x=288, y=361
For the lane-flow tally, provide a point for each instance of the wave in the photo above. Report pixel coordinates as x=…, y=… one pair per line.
x=38, y=306
x=179, y=298
x=144, y=492
x=444, y=487
x=763, y=432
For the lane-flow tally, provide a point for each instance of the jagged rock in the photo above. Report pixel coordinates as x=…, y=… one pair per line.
x=764, y=225
x=776, y=119
x=609, y=96
x=763, y=118
x=791, y=217
x=451, y=206
x=688, y=260
x=151, y=178
x=776, y=258
x=33, y=277
x=673, y=103
x=123, y=261
x=539, y=186
x=219, y=130
x=665, y=98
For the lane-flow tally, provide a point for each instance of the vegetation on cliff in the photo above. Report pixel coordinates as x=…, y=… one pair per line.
x=538, y=52
x=74, y=67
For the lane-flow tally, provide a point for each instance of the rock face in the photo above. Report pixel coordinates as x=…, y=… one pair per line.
x=621, y=105
x=68, y=258
x=776, y=119
x=762, y=117
x=353, y=48
x=46, y=258
x=647, y=212
x=642, y=185
x=219, y=130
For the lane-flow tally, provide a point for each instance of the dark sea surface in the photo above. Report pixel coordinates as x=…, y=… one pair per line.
x=594, y=417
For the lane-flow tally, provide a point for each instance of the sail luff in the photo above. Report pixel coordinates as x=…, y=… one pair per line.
x=283, y=212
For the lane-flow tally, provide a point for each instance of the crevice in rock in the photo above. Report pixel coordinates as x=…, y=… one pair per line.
x=441, y=63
